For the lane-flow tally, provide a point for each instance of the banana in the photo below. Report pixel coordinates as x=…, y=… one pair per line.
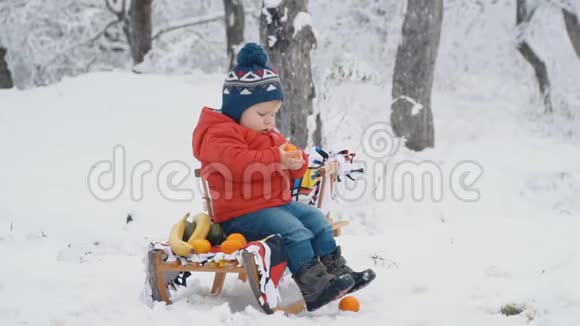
x=178, y=246
x=202, y=224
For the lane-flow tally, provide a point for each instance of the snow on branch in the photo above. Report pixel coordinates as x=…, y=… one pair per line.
x=301, y=20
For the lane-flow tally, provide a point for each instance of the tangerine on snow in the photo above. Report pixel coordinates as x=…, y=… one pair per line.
x=349, y=303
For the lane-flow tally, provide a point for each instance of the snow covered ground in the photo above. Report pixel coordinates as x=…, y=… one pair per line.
x=71, y=259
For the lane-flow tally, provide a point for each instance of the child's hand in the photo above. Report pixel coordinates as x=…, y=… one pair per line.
x=289, y=160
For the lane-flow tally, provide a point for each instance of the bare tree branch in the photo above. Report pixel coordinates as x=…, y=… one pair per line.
x=573, y=28
x=111, y=9
x=89, y=42
x=122, y=17
x=523, y=17
x=189, y=24
x=5, y=74
x=208, y=19
x=92, y=40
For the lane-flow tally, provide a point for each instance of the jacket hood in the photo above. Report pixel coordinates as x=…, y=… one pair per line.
x=208, y=118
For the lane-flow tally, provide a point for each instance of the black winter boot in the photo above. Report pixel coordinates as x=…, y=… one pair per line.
x=318, y=287
x=336, y=265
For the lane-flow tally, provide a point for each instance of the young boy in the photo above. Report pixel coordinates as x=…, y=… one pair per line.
x=249, y=173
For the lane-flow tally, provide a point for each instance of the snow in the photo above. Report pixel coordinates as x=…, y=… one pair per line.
x=73, y=260
x=272, y=40
x=272, y=3
x=301, y=20
x=497, y=224
x=415, y=109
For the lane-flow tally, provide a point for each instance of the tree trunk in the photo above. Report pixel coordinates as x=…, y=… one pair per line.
x=140, y=29
x=289, y=52
x=523, y=17
x=5, y=75
x=411, y=115
x=573, y=28
x=317, y=134
x=235, y=21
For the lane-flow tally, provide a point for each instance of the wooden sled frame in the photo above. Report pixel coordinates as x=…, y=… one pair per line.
x=162, y=273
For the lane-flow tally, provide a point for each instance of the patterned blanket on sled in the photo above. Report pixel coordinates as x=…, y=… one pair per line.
x=270, y=257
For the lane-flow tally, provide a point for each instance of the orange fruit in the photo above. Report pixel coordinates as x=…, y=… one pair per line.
x=231, y=245
x=349, y=303
x=201, y=246
x=237, y=236
x=290, y=148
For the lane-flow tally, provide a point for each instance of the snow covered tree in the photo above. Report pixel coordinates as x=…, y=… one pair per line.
x=140, y=29
x=286, y=32
x=234, y=19
x=49, y=39
x=524, y=14
x=5, y=75
x=411, y=115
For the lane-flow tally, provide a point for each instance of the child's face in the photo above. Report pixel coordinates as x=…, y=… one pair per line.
x=261, y=117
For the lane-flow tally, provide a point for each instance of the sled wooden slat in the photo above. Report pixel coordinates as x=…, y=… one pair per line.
x=330, y=171
x=218, y=283
x=158, y=286
x=194, y=267
x=336, y=226
x=293, y=308
x=157, y=268
x=206, y=198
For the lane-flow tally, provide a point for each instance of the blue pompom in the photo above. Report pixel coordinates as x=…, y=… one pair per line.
x=252, y=54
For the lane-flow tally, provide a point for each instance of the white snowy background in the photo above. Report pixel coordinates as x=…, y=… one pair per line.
x=71, y=259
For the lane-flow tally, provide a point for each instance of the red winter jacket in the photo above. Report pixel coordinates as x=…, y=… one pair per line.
x=242, y=166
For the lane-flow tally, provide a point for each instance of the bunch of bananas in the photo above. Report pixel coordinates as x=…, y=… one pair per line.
x=198, y=230
x=185, y=235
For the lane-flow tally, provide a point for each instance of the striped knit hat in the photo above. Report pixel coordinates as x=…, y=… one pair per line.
x=250, y=82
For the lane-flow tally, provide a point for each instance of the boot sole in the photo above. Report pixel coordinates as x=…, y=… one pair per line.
x=340, y=294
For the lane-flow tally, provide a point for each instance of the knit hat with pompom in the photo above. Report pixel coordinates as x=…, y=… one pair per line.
x=250, y=82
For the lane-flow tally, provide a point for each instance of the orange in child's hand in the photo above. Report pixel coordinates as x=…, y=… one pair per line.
x=231, y=245
x=201, y=246
x=237, y=236
x=349, y=303
x=290, y=148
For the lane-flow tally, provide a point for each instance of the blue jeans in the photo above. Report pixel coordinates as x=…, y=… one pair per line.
x=304, y=228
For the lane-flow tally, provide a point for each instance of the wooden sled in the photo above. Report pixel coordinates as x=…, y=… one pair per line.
x=162, y=274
